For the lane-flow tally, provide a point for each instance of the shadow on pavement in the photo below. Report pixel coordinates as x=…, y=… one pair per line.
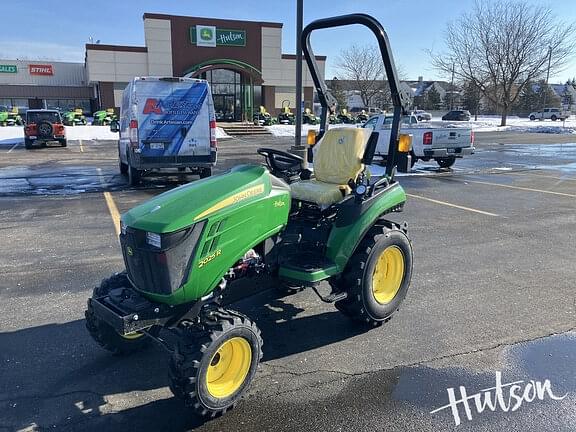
x=54, y=376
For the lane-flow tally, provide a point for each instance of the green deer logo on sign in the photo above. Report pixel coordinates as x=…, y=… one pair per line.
x=206, y=34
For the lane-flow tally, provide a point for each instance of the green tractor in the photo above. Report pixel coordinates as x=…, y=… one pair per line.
x=74, y=118
x=286, y=116
x=104, y=117
x=308, y=117
x=185, y=249
x=10, y=117
x=362, y=117
x=263, y=118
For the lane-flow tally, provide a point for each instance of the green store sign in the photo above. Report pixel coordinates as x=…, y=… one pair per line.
x=8, y=69
x=224, y=37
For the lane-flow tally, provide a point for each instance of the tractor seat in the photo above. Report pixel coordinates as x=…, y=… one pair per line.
x=337, y=159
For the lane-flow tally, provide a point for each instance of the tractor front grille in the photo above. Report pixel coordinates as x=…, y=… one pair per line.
x=164, y=270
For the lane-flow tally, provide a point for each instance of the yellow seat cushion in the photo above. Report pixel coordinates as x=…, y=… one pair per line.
x=323, y=194
x=337, y=159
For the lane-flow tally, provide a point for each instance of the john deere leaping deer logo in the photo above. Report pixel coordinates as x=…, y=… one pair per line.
x=206, y=34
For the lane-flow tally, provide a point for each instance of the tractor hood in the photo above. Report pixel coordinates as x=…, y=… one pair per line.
x=193, y=202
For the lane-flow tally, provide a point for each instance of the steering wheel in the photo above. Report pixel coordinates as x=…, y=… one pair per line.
x=281, y=162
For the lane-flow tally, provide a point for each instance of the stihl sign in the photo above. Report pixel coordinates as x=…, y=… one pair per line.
x=40, y=69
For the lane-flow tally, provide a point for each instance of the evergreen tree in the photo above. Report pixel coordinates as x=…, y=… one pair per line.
x=433, y=100
x=471, y=98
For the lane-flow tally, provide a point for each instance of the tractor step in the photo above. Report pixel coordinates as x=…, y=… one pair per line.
x=307, y=267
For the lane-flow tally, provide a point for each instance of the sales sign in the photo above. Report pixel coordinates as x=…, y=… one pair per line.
x=40, y=69
x=8, y=69
x=211, y=36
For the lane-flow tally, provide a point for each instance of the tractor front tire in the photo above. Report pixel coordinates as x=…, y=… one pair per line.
x=103, y=333
x=212, y=367
x=377, y=276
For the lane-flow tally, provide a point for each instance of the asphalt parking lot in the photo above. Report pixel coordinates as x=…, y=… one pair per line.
x=492, y=291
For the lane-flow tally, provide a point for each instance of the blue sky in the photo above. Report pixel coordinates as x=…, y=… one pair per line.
x=57, y=30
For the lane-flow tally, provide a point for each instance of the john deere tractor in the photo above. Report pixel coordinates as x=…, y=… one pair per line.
x=308, y=117
x=263, y=118
x=286, y=116
x=10, y=117
x=104, y=117
x=74, y=118
x=330, y=231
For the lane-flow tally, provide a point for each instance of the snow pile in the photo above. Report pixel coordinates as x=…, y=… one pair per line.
x=15, y=134
x=290, y=130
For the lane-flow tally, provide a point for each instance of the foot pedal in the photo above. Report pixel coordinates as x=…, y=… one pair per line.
x=332, y=297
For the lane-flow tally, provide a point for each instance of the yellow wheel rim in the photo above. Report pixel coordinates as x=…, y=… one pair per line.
x=388, y=274
x=229, y=367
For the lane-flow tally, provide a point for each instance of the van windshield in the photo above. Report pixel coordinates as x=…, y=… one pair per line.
x=38, y=116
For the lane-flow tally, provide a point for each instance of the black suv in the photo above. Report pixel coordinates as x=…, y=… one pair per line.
x=457, y=115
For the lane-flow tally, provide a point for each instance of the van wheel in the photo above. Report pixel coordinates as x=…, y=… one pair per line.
x=123, y=168
x=206, y=172
x=134, y=176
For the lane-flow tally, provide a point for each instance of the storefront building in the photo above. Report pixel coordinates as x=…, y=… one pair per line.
x=242, y=60
x=43, y=84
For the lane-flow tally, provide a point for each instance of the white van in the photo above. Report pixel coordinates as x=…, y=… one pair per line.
x=166, y=123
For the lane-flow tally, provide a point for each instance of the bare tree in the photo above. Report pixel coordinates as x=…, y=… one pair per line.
x=502, y=45
x=362, y=65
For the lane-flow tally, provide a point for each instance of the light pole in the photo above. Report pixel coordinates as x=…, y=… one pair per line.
x=547, y=77
x=298, y=148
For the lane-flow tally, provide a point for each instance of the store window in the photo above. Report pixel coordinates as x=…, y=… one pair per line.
x=69, y=104
x=8, y=103
x=227, y=88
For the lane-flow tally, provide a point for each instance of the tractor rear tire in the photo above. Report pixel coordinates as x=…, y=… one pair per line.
x=212, y=367
x=103, y=333
x=377, y=276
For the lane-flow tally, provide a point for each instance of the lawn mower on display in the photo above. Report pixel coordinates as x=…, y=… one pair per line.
x=345, y=117
x=362, y=117
x=263, y=118
x=308, y=117
x=286, y=116
x=74, y=118
x=185, y=249
x=104, y=117
x=10, y=117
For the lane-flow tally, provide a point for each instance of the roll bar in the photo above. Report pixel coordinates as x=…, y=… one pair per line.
x=326, y=98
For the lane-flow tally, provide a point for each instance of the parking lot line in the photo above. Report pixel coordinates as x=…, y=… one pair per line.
x=112, y=208
x=13, y=147
x=114, y=213
x=541, y=175
x=522, y=188
x=81, y=147
x=482, y=212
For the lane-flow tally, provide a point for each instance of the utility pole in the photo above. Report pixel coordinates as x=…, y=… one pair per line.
x=298, y=148
x=547, y=77
x=452, y=89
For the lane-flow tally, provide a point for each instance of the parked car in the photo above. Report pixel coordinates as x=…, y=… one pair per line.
x=549, y=114
x=166, y=123
x=457, y=115
x=43, y=126
x=422, y=115
x=443, y=144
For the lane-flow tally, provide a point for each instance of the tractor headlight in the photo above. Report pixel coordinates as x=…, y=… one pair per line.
x=153, y=239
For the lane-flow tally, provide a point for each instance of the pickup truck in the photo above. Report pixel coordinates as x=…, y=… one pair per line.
x=429, y=141
x=549, y=114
